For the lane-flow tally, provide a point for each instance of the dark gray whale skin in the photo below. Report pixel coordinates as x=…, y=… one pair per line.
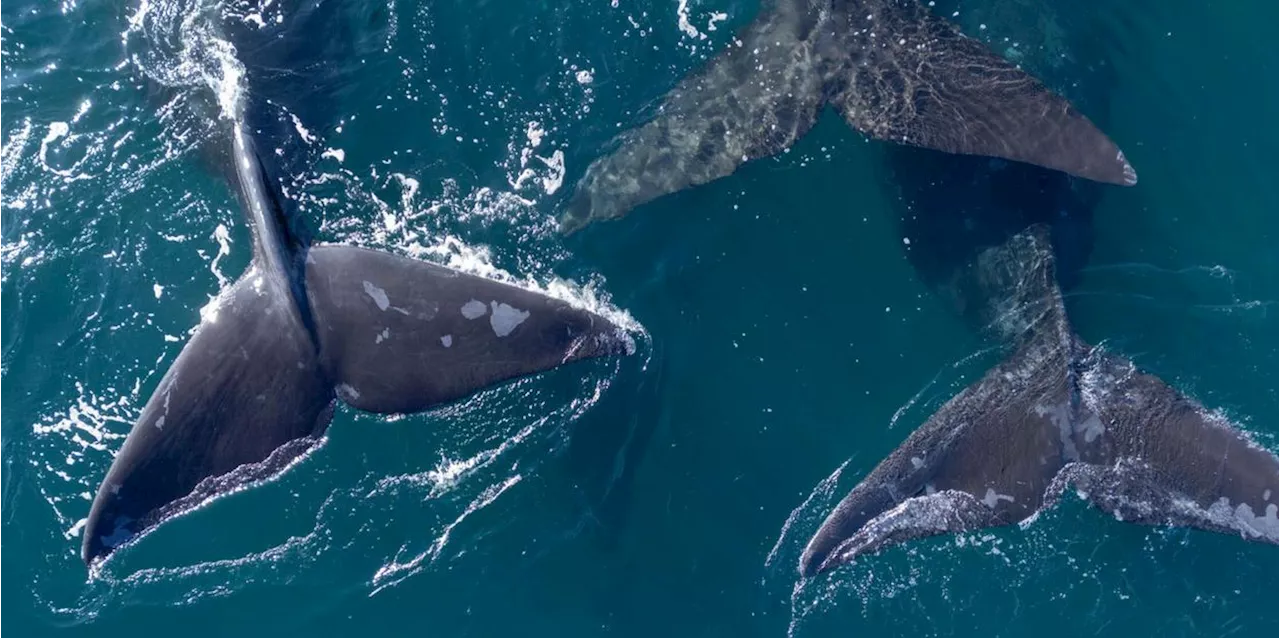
x=891, y=68
x=999, y=241
x=1057, y=413
x=254, y=388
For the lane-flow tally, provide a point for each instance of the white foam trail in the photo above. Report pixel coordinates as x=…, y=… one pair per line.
x=682, y=20
x=11, y=152
x=61, y=131
x=228, y=85
x=84, y=430
x=306, y=134
x=911, y=403
x=399, y=571
x=223, y=237
x=823, y=490
x=448, y=473
x=553, y=179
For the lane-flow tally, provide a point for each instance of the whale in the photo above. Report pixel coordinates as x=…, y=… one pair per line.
x=999, y=242
x=1057, y=414
x=309, y=325
x=891, y=68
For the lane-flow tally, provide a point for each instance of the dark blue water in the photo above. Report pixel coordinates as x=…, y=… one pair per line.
x=786, y=331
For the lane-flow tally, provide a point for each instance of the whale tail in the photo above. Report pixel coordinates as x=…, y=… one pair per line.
x=253, y=389
x=250, y=393
x=1056, y=413
x=893, y=70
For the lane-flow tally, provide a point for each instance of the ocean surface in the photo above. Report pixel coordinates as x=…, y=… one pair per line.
x=787, y=342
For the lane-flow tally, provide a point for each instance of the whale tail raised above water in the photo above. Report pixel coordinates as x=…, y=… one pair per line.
x=254, y=387
x=251, y=391
x=893, y=70
x=1055, y=414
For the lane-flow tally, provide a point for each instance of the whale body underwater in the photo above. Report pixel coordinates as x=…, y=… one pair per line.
x=255, y=387
x=1057, y=412
x=891, y=68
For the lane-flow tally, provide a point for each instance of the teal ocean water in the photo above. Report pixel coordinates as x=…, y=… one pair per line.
x=788, y=342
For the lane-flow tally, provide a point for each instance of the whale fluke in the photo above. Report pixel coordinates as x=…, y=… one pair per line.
x=751, y=101
x=1055, y=414
x=250, y=391
x=253, y=388
x=893, y=70
x=924, y=83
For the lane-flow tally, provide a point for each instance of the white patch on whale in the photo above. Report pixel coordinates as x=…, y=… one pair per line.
x=447, y=341
x=347, y=393
x=992, y=498
x=505, y=318
x=917, y=462
x=1060, y=415
x=382, y=336
x=1243, y=519
x=474, y=309
x=378, y=295
x=1092, y=428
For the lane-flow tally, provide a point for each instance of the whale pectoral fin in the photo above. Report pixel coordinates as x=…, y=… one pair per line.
x=924, y=83
x=754, y=99
x=401, y=335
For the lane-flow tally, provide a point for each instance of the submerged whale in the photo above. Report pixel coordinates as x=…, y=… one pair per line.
x=255, y=386
x=999, y=241
x=891, y=68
